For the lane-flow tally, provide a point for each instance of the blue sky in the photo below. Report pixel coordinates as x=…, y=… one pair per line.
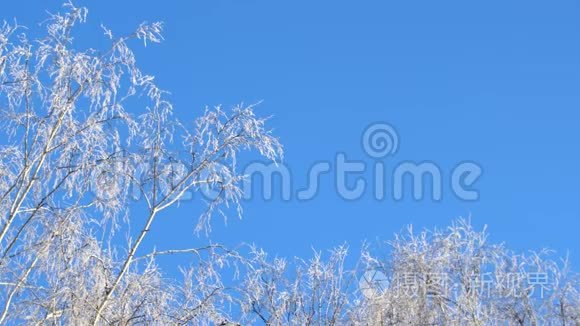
x=494, y=82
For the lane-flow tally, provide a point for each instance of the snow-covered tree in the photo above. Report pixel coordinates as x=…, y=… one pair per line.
x=72, y=158
x=86, y=132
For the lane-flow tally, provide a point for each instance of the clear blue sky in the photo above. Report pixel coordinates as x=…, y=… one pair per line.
x=496, y=82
